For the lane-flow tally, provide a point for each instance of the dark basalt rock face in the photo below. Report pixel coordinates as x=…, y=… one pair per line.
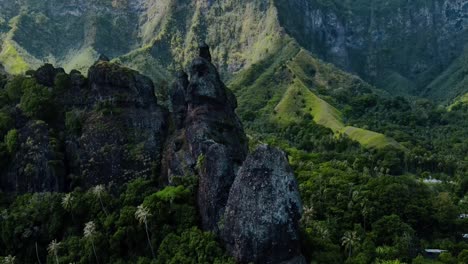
x=37, y=166
x=209, y=140
x=123, y=128
x=177, y=95
x=204, y=51
x=261, y=220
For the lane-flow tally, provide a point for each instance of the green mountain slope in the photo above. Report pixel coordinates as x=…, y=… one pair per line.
x=402, y=56
x=283, y=90
x=137, y=33
x=452, y=83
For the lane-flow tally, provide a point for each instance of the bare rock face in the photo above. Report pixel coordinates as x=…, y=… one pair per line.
x=177, y=94
x=261, y=219
x=122, y=128
x=209, y=140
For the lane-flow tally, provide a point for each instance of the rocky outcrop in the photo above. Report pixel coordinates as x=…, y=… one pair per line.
x=37, y=165
x=209, y=139
x=122, y=128
x=177, y=94
x=111, y=130
x=261, y=219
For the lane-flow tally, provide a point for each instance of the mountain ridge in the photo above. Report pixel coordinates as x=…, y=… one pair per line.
x=242, y=33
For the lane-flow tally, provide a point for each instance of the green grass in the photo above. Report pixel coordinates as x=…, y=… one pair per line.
x=369, y=139
x=12, y=60
x=299, y=100
x=282, y=88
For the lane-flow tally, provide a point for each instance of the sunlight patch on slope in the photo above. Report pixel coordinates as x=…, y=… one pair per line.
x=80, y=60
x=12, y=60
x=459, y=101
x=298, y=101
x=369, y=139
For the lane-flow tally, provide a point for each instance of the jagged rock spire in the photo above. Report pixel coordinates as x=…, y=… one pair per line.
x=178, y=98
x=103, y=57
x=254, y=204
x=264, y=203
x=204, y=51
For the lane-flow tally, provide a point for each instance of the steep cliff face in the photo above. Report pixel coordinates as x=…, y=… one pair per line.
x=209, y=139
x=107, y=129
x=399, y=45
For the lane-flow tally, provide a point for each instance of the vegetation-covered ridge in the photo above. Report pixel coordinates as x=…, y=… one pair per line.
x=354, y=35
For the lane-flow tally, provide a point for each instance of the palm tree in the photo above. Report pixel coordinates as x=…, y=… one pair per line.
x=67, y=203
x=98, y=191
x=89, y=233
x=322, y=231
x=53, y=249
x=142, y=214
x=349, y=240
